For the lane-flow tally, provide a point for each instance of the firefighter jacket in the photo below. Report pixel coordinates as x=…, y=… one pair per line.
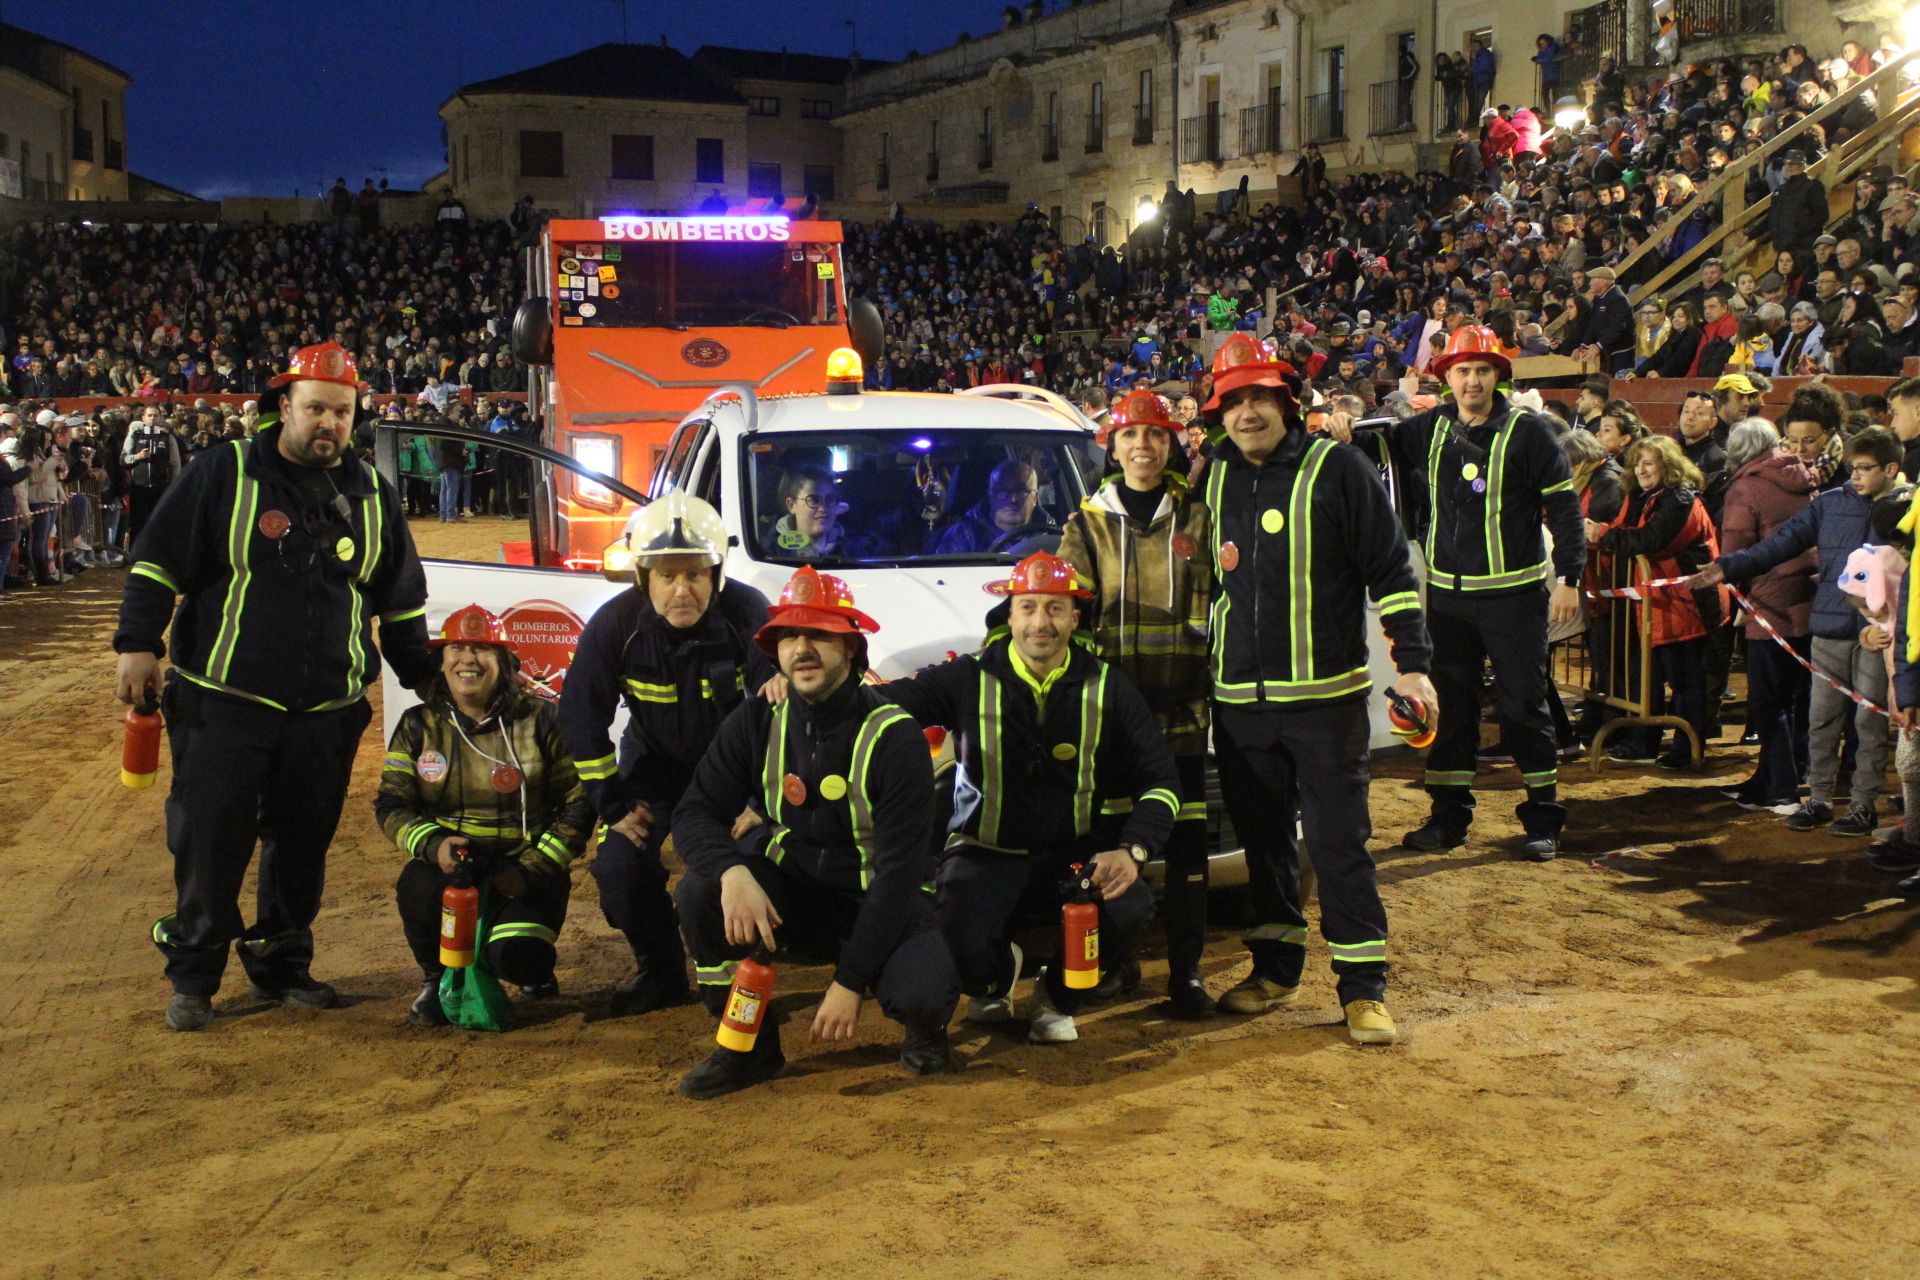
x=505, y=782
x=1152, y=591
x=280, y=572
x=1477, y=496
x=678, y=685
x=846, y=788
x=1039, y=756
x=1300, y=543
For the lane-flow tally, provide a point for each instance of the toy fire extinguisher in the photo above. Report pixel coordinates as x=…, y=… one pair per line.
x=1080, y=928
x=459, y=915
x=140, y=751
x=747, y=1002
x=1410, y=719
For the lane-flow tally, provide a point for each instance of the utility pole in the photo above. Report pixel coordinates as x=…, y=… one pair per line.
x=624, y=38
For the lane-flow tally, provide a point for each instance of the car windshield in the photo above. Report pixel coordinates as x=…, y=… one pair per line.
x=912, y=497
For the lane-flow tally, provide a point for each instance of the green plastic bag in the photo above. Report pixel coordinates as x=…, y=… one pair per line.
x=472, y=997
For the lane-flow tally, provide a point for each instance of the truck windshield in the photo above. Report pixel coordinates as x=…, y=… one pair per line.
x=912, y=497
x=632, y=286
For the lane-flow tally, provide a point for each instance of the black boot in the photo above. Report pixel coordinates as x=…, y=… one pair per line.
x=1542, y=821
x=1439, y=832
x=300, y=992
x=189, y=1013
x=1188, y=995
x=1122, y=979
x=729, y=1071
x=651, y=987
x=926, y=1052
x=426, y=1010
x=1184, y=912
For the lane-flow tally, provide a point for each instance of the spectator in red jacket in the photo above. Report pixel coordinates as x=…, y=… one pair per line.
x=1497, y=139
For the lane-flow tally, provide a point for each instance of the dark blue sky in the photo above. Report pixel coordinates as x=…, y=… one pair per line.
x=263, y=97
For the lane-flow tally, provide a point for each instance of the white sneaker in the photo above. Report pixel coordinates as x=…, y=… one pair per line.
x=995, y=1008
x=1050, y=1026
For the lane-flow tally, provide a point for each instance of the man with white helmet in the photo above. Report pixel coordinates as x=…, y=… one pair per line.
x=678, y=650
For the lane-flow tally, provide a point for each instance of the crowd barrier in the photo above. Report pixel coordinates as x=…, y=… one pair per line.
x=1609, y=662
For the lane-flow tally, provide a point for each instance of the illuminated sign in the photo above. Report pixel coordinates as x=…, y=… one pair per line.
x=703, y=230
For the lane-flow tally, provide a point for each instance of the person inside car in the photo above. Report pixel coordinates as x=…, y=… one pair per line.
x=1013, y=494
x=810, y=529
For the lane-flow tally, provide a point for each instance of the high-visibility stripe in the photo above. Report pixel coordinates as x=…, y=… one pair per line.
x=1449, y=777
x=484, y=830
x=161, y=932
x=1300, y=559
x=522, y=929
x=397, y=762
x=990, y=772
x=372, y=522
x=1546, y=777
x=148, y=569
x=858, y=801
x=1399, y=602
x=1092, y=695
x=556, y=848
x=403, y=615
x=1359, y=952
x=1496, y=486
x=715, y=975
x=1565, y=486
x=776, y=846
x=1355, y=681
x=1165, y=797
x=1294, y=935
x=645, y=692
x=219, y=686
x=598, y=769
x=773, y=772
x=1490, y=582
x=1119, y=804
x=1192, y=811
x=246, y=497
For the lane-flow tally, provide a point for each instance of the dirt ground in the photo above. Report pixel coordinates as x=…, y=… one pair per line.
x=1690, y=1050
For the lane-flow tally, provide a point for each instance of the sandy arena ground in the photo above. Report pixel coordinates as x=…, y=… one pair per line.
x=1689, y=1050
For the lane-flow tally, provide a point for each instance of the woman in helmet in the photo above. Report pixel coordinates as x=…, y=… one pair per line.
x=1140, y=541
x=478, y=773
x=677, y=650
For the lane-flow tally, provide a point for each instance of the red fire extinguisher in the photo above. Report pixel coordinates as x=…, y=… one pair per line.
x=747, y=1002
x=459, y=915
x=1080, y=926
x=1410, y=719
x=140, y=750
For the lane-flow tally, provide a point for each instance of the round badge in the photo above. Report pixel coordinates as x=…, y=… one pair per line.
x=833, y=786
x=344, y=548
x=1184, y=546
x=570, y=265
x=1470, y=472
x=588, y=310
x=274, y=524
x=1272, y=520
x=431, y=766
x=505, y=778
x=1479, y=486
x=1229, y=557
x=793, y=789
x=792, y=539
x=609, y=291
x=1065, y=751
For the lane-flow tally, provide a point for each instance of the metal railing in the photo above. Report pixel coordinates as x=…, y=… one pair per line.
x=1596, y=32
x=1448, y=117
x=1327, y=116
x=1610, y=667
x=1714, y=19
x=1096, y=132
x=984, y=153
x=1390, y=107
x=1143, y=127
x=1049, y=141
x=1260, y=132
x=1200, y=139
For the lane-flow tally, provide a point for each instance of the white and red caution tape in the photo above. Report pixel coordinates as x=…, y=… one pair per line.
x=1634, y=592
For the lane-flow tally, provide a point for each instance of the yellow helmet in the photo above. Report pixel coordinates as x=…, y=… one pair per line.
x=672, y=525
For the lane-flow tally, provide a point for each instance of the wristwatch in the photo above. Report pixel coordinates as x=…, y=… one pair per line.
x=1138, y=852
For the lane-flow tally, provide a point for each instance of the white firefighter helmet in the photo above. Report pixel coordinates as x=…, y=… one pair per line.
x=671, y=525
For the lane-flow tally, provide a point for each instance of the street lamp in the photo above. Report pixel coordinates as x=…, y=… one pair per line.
x=1568, y=115
x=1146, y=211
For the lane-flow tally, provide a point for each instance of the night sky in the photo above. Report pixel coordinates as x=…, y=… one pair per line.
x=262, y=98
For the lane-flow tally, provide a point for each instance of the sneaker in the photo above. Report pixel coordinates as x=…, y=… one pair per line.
x=1910, y=887
x=1629, y=753
x=1810, y=814
x=1434, y=836
x=1751, y=738
x=1895, y=855
x=729, y=1070
x=996, y=1008
x=541, y=990
x=1258, y=995
x=189, y=1013
x=1049, y=1025
x=303, y=993
x=926, y=1053
x=1858, y=822
x=1369, y=1022
x=426, y=1010
x=1540, y=848
x=1571, y=751
x=1756, y=804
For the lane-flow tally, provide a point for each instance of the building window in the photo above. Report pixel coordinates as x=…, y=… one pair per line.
x=1097, y=223
x=1143, y=111
x=543, y=153
x=763, y=181
x=709, y=160
x=632, y=157
x=759, y=106
x=1097, y=118
x=816, y=109
x=819, y=179
x=986, y=138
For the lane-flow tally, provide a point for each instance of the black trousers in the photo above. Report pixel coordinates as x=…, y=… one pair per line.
x=246, y=774
x=141, y=501
x=916, y=984
x=1778, y=689
x=1184, y=904
x=1310, y=759
x=986, y=896
x=524, y=931
x=1510, y=630
x=633, y=890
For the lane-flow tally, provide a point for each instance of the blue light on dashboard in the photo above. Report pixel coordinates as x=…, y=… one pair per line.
x=921, y=443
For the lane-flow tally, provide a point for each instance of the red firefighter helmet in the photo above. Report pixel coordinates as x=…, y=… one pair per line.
x=813, y=601
x=322, y=362
x=1141, y=408
x=472, y=625
x=1246, y=361
x=1473, y=342
x=1041, y=574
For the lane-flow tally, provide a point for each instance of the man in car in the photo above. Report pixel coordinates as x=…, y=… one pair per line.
x=1013, y=492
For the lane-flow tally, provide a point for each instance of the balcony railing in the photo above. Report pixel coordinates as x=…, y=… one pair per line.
x=933, y=166
x=1390, y=107
x=1717, y=19
x=1096, y=132
x=1049, y=142
x=1597, y=32
x=1260, y=129
x=1200, y=139
x=983, y=152
x=1327, y=116
x=1448, y=116
x=83, y=145
x=1142, y=128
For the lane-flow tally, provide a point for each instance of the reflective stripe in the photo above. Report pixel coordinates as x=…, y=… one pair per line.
x=148, y=569
x=1359, y=952
x=858, y=801
x=1545, y=778
x=989, y=827
x=1490, y=582
x=1092, y=694
x=484, y=830
x=554, y=847
x=715, y=975
x=1449, y=777
x=371, y=528
x=1294, y=935
x=1496, y=477
x=776, y=851
x=1565, y=486
x=773, y=770
x=522, y=929
x=220, y=687
x=1399, y=602
x=397, y=762
x=1122, y=804
x=597, y=770
x=1165, y=797
x=1196, y=810
x=404, y=615
x=160, y=931
x=1356, y=681
x=246, y=500
x=645, y=692
x=1300, y=559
